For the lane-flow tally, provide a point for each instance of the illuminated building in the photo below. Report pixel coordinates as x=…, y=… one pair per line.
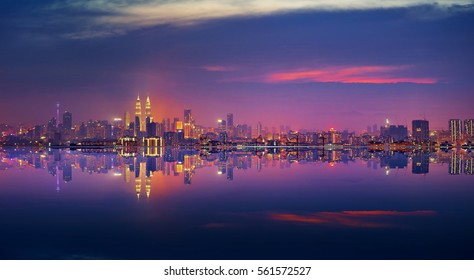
x=188, y=118
x=152, y=142
x=469, y=128
x=334, y=137
x=138, y=186
x=179, y=125
x=126, y=174
x=138, y=116
x=221, y=126
x=455, y=126
x=420, y=131
x=127, y=120
x=148, y=186
x=469, y=166
x=188, y=124
x=455, y=164
x=148, y=107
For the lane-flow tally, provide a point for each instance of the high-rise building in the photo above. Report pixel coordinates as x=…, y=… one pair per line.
x=221, y=126
x=455, y=126
x=127, y=120
x=148, y=107
x=67, y=121
x=188, y=124
x=420, y=163
x=230, y=120
x=188, y=118
x=455, y=164
x=230, y=124
x=138, y=116
x=420, y=131
x=57, y=114
x=394, y=132
x=469, y=128
x=259, y=129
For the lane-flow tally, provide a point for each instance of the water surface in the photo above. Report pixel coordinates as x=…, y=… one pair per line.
x=265, y=204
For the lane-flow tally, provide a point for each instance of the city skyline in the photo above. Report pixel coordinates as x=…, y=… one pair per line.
x=345, y=66
x=148, y=112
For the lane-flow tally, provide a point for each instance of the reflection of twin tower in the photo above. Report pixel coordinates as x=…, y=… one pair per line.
x=139, y=121
x=140, y=174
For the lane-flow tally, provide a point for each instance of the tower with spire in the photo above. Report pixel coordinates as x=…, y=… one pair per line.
x=138, y=116
x=148, y=107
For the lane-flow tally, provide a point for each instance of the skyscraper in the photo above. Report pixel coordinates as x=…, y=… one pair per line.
x=469, y=128
x=455, y=126
x=421, y=131
x=67, y=121
x=221, y=126
x=230, y=124
x=57, y=114
x=188, y=124
x=138, y=116
x=230, y=120
x=259, y=129
x=148, y=107
x=187, y=116
x=127, y=120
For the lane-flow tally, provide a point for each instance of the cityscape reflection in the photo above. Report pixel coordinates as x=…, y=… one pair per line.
x=141, y=165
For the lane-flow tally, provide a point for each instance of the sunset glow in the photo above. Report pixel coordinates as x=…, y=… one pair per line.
x=347, y=218
x=358, y=74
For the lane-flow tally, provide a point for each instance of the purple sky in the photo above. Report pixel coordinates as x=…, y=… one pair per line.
x=307, y=66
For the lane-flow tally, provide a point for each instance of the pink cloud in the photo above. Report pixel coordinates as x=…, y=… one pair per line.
x=217, y=68
x=349, y=74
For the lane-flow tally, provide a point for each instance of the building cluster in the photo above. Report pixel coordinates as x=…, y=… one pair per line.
x=143, y=130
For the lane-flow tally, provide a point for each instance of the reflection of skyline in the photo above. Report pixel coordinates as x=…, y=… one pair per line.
x=186, y=162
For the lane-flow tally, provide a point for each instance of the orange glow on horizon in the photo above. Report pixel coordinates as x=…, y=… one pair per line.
x=347, y=218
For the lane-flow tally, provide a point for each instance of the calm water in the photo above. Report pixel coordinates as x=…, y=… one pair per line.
x=185, y=204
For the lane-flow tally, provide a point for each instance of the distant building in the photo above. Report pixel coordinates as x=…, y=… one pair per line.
x=221, y=126
x=420, y=163
x=420, y=131
x=67, y=121
x=455, y=126
x=469, y=129
x=396, y=133
x=230, y=122
x=455, y=164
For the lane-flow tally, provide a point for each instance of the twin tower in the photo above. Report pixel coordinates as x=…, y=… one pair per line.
x=140, y=122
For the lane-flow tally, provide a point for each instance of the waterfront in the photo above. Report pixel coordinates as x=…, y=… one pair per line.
x=261, y=204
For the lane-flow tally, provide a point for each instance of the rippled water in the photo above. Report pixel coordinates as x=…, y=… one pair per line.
x=266, y=204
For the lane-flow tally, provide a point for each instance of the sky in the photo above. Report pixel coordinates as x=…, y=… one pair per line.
x=308, y=64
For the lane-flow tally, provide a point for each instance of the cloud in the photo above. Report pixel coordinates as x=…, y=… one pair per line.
x=348, y=218
x=125, y=15
x=349, y=74
x=218, y=68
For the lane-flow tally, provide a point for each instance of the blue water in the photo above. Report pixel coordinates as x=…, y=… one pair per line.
x=266, y=204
